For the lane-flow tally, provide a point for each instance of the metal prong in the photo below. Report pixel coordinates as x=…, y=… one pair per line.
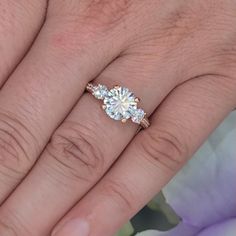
x=123, y=120
x=137, y=99
x=89, y=87
x=104, y=107
x=116, y=87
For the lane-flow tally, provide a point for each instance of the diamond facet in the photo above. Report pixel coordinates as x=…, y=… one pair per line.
x=120, y=103
x=100, y=91
x=138, y=115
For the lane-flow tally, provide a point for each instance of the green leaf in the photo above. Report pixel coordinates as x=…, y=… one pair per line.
x=159, y=204
x=127, y=230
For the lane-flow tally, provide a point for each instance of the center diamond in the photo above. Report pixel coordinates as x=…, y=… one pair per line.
x=120, y=103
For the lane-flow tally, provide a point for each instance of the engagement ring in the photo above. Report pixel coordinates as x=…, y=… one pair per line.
x=119, y=103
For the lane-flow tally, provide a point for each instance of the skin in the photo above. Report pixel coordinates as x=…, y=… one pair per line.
x=179, y=57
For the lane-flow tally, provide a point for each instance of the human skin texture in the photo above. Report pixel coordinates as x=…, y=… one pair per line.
x=66, y=168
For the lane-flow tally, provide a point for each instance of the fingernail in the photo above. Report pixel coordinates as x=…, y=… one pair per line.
x=75, y=227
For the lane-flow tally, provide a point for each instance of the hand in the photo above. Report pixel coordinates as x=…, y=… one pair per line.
x=179, y=57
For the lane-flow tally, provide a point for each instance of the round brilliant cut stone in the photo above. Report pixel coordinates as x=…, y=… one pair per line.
x=100, y=91
x=120, y=103
x=138, y=115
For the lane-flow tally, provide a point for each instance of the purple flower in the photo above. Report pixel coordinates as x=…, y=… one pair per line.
x=203, y=194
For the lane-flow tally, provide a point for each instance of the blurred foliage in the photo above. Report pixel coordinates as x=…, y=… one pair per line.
x=156, y=215
x=159, y=204
x=127, y=230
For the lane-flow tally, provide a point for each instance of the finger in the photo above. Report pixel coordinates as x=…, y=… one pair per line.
x=179, y=126
x=20, y=23
x=45, y=87
x=78, y=154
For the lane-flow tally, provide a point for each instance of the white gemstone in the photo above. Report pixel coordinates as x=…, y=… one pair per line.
x=137, y=115
x=100, y=91
x=119, y=103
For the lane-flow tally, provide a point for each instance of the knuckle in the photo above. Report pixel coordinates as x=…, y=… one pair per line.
x=74, y=148
x=163, y=149
x=79, y=25
x=186, y=18
x=107, y=13
x=13, y=144
x=100, y=13
x=71, y=37
x=178, y=24
x=120, y=194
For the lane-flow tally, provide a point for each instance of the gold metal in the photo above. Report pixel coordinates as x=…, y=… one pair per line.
x=145, y=123
x=89, y=88
x=123, y=120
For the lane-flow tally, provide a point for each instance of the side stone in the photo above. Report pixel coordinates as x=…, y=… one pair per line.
x=138, y=115
x=100, y=91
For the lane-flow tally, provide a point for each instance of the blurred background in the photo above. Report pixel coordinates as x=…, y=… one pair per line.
x=156, y=215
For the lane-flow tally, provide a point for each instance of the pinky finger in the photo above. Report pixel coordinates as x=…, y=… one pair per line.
x=180, y=125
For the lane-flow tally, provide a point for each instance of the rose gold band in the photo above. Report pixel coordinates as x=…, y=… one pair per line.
x=145, y=123
x=89, y=88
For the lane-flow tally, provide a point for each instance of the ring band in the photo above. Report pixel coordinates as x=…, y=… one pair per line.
x=119, y=103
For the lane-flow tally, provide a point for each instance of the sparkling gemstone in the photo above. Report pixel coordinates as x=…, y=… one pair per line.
x=137, y=115
x=120, y=103
x=100, y=91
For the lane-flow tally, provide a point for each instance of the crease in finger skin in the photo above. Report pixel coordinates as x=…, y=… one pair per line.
x=8, y=231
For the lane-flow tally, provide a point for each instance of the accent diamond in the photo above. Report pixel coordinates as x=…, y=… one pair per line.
x=100, y=91
x=138, y=115
x=120, y=103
